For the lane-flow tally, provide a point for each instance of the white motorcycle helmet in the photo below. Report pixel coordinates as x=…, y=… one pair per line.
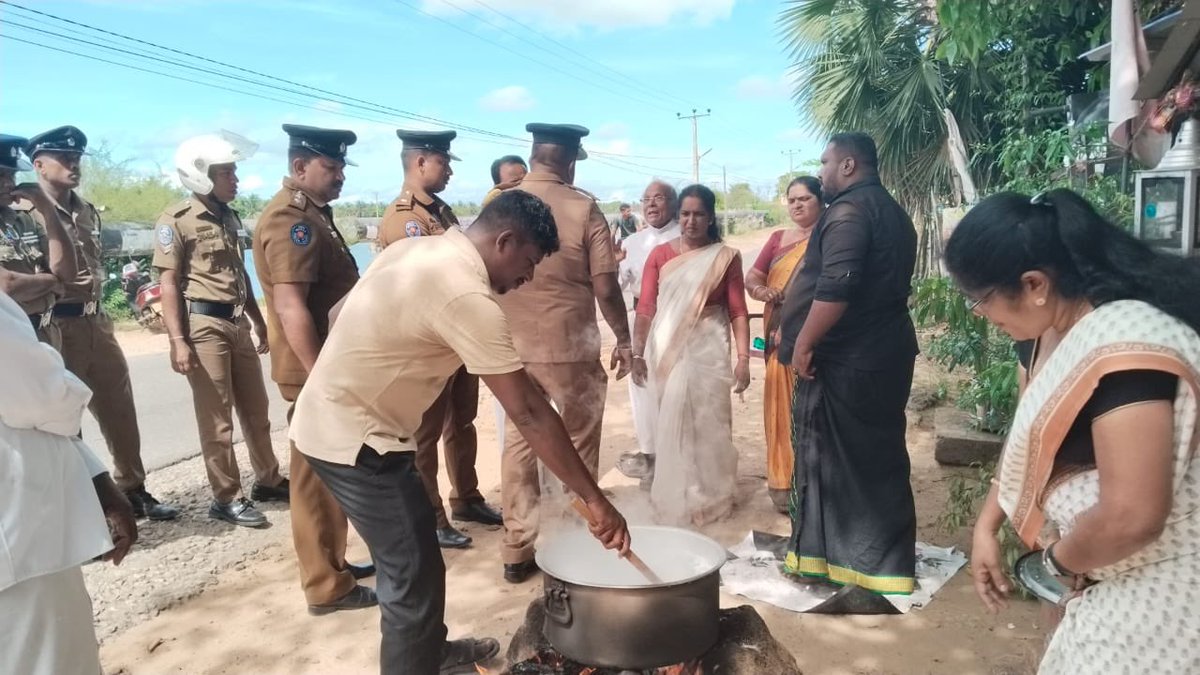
x=197, y=155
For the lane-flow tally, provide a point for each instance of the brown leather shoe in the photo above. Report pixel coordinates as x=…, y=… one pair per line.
x=515, y=573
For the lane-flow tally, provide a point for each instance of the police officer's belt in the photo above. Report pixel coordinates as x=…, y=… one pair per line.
x=40, y=321
x=73, y=309
x=217, y=310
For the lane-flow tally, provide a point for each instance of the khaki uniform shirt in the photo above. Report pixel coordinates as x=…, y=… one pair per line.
x=415, y=213
x=22, y=250
x=82, y=221
x=204, y=249
x=424, y=309
x=554, y=316
x=295, y=241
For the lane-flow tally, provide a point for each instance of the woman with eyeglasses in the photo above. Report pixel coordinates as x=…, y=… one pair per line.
x=693, y=291
x=1100, y=467
x=765, y=282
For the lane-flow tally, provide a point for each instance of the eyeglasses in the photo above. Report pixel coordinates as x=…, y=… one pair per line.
x=973, y=305
x=656, y=199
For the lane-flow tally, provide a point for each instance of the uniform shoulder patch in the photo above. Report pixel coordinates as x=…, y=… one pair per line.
x=298, y=200
x=166, y=237
x=412, y=229
x=301, y=234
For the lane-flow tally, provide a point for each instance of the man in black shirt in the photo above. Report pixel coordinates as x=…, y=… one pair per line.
x=847, y=332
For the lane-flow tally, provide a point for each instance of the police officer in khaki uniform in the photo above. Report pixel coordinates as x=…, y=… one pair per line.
x=206, y=300
x=34, y=263
x=554, y=328
x=419, y=212
x=507, y=169
x=89, y=348
x=305, y=268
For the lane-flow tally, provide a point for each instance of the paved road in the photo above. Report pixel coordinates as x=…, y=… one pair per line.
x=165, y=414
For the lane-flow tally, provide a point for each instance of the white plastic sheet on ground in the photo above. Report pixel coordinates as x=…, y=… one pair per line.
x=758, y=575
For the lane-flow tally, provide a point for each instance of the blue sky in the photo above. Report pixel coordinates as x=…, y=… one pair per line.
x=624, y=68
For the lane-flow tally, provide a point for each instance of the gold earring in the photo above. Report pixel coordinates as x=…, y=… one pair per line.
x=1040, y=302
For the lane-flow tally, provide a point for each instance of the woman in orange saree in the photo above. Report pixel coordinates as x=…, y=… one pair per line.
x=765, y=282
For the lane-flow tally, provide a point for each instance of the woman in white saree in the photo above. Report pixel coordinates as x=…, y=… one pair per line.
x=693, y=290
x=1100, y=467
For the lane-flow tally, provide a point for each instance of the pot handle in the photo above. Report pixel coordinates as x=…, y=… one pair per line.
x=557, y=602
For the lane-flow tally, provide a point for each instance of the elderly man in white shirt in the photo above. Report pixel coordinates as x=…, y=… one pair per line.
x=55, y=499
x=660, y=205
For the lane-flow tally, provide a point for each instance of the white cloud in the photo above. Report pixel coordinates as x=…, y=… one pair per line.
x=251, y=182
x=507, y=99
x=761, y=86
x=608, y=14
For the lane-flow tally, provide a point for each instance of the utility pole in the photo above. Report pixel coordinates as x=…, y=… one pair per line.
x=695, y=139
x=791, y=154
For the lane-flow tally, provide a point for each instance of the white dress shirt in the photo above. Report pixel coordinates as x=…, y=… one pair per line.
x=637, y=249
x=50, y=516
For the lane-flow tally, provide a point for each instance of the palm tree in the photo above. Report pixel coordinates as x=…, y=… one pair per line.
x=872, y=65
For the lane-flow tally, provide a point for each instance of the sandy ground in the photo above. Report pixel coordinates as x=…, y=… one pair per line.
x=198, y=597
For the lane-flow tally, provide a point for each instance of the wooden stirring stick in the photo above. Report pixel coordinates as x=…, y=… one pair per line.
x=633, y=558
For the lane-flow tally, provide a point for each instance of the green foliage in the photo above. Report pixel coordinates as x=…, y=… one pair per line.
x=124, y=194
x=966, y=495
x=1057, y=158
x=872, y=65
x=991, y=395
x=113, y=298
x=962, y=339
x=249, y=205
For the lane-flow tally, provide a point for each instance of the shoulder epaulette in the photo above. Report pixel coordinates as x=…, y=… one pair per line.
x=581, y=191
x=179, y=209
x=298, y=200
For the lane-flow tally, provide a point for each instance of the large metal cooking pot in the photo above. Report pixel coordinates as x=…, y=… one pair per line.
x=600, y=611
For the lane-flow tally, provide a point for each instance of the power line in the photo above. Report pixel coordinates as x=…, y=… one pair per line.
x=612, y=163
x=404, y=113
x=578, y=53
x=344, y=99
x=613, y=160
x=523, y=55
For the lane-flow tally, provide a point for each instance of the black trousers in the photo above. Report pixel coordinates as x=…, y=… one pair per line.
x=384, y=498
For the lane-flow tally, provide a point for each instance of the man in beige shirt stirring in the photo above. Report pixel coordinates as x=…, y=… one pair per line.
x=426, y=307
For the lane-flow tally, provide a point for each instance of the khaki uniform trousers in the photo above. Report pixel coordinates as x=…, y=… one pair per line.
x=230, y=374
x=451, y=418
x=319, y=527
x=91, y=352
x=578, y=390
x=51, y=335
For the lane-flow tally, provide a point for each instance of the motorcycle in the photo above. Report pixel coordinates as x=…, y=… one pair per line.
x=143, y=295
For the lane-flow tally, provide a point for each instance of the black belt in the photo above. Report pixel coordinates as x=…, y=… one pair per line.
x=74, y=309
x=36, y=320
x=218, y=310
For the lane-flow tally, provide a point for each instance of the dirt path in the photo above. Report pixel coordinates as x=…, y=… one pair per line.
x=226, y=601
